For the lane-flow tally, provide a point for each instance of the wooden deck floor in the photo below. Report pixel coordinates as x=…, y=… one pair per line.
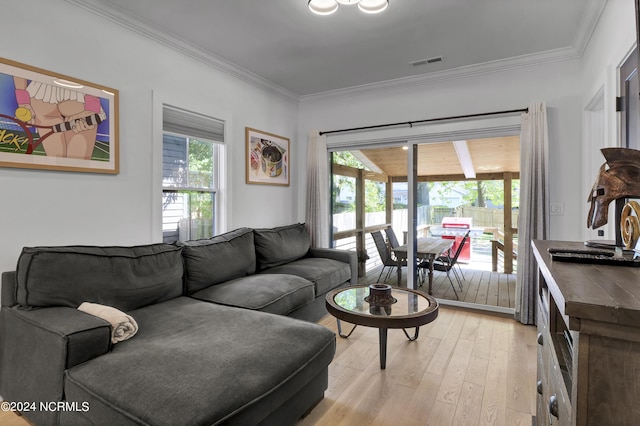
x=479, y=286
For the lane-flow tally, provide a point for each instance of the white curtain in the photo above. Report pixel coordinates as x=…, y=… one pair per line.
x=318, y=184
x=534, y=196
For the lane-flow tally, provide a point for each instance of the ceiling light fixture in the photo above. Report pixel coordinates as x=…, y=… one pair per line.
x=327, y=7
x=373, y=6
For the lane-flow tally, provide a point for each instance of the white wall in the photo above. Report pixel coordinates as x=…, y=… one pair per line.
x=47, y=207
x=611, y=43
x=54, y=208
x=553, y=83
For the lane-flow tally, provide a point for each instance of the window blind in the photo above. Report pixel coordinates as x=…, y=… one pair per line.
x=191, y=124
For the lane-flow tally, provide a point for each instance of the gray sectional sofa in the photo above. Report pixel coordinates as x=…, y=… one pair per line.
x=220, y=340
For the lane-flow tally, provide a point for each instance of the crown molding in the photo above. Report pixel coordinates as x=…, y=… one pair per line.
x=588, y=22
x=117, y=16
x=586, y=27
x=475, y=70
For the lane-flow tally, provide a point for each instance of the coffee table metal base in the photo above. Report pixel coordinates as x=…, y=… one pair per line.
x=382, y=336
x=409, y=309
x=345, y=335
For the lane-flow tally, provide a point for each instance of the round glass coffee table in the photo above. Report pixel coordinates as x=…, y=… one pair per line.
x=410, y=309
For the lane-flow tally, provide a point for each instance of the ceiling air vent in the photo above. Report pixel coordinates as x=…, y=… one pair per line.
x=426, y=61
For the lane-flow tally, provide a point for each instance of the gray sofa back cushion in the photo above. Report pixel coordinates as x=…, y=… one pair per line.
x=284, y=244
x=123, y=277
x=218, y=259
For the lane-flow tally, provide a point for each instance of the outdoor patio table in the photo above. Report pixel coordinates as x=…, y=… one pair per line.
x=427, y=249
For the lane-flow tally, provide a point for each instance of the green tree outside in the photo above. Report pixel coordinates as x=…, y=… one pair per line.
x=479, y=192
x=200, y=174
x=374, y=191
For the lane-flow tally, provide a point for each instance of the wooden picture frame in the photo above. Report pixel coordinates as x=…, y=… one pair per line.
x=267, y=158
x=54, y=122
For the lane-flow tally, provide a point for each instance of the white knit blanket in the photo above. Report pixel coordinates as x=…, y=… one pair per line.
x=123, y=326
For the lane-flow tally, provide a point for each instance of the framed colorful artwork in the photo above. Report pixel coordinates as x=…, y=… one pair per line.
x=55, y=122
x=267, y=158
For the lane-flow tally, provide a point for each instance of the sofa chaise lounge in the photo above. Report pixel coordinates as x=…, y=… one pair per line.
x=220, y=340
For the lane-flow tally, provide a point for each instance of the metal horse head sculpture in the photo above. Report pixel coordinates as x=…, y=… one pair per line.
x=621, y=179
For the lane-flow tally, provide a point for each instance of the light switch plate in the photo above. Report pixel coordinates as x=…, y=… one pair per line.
x=557, y=209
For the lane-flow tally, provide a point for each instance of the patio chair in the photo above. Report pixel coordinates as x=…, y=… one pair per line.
x=391, y=237
x=446, y=263
x=445, y=256
x=386, y=257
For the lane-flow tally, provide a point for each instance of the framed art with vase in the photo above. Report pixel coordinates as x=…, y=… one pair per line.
x=267, y=158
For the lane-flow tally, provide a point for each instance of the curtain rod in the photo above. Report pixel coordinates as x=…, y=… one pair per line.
x=429, y=120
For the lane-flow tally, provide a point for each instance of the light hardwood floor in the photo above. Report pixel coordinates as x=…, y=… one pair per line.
x=466, y=368
x=12, y=419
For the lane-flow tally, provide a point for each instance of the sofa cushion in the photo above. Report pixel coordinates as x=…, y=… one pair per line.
x=325, y=274
x=197, y=363
x=277, y=294
x=277, y=246
x=123, y=277
x=218, y=259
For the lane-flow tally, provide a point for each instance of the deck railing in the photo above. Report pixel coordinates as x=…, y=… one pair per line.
x=345, y=233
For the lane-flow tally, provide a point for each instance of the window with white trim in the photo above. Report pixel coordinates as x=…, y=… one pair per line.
x=191, y=146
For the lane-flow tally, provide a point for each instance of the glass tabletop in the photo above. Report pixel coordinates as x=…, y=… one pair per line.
x=408, y=303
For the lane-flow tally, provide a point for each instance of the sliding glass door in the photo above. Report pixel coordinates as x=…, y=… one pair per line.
x=430, y=188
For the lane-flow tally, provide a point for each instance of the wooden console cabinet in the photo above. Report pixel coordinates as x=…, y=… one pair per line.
x=588, y=341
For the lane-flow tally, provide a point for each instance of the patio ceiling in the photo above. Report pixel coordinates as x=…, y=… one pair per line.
x=489, y=158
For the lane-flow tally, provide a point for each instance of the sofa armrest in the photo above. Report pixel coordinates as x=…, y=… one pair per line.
x=8, y=294
x=37, y=346
x=345, y=256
